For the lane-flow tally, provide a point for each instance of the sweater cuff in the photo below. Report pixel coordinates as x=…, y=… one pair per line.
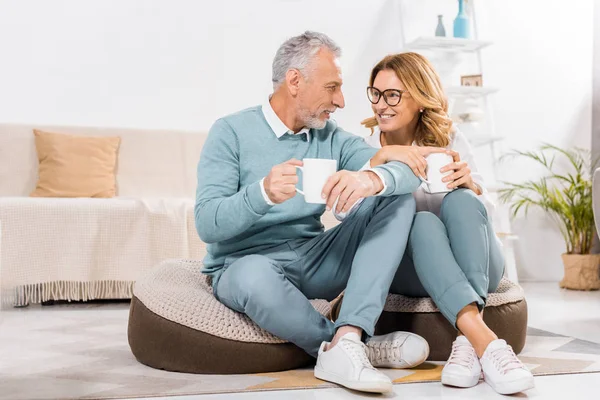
x=256, y=200
x=264, y=192
x=380, y=175
x=385, y=177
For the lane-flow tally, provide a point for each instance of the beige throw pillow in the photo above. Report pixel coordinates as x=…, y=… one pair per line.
x=75, y=166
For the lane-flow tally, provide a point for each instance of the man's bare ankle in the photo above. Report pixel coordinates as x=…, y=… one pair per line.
x=341, y=332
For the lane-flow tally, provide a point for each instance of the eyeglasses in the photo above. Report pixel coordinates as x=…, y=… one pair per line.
x=391, y=96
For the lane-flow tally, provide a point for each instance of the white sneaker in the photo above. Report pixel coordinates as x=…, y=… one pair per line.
x=503, y=371
x=397, y=350
x=462, y=368
x=347, y=364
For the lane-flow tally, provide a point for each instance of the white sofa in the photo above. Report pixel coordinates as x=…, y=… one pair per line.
x=85, y=249
x=82, y=249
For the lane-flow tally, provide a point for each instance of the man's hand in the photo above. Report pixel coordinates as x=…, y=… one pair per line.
x=350, y=186
x=280, y=184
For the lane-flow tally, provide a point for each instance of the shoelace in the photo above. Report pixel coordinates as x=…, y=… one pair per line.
x=506, y=360
x=357, y=351
x=462, y=354
x=382, y=351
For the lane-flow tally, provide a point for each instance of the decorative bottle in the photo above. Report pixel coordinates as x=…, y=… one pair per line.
x=440, y=30
x=462, y=22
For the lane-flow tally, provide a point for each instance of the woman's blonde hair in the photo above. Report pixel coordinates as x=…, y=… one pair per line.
x=423, y=84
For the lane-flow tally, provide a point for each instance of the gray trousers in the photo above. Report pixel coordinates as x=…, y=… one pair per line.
x=455, y=259
x=360, y=256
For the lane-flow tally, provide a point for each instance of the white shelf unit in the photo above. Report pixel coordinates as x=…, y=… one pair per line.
x=454, y=49
x=482, y=139
x=446, y=44
x=469, y=91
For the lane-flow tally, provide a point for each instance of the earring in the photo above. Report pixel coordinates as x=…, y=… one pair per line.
x=421, y=110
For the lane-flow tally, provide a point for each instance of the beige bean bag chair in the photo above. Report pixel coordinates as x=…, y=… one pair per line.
x=176, y=324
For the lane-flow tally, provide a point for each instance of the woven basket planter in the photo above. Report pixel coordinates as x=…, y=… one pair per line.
x=582, y=271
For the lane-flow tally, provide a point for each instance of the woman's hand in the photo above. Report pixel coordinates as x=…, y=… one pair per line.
x=413, y=156
x=462, y=174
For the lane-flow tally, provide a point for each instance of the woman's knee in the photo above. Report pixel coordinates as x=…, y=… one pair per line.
x=460, y=201
x=424, y=225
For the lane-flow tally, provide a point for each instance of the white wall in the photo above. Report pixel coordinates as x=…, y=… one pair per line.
x=153, y=63
x=542, y=61
x=182, y=63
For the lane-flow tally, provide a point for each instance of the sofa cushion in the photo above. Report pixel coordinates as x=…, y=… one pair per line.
x=151, y=163
x=177, y=324
x=75, y=166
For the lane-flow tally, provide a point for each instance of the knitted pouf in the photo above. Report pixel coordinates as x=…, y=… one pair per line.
x=505, y=313
x=176, y=324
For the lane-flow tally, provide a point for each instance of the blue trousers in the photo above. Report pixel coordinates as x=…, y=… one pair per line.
x=455, y=259
x=360, y=256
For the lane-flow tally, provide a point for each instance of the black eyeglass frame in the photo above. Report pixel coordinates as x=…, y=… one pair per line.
x=384, y=95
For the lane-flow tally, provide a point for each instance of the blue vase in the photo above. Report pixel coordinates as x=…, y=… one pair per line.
x=440, y=30
x=462, y=24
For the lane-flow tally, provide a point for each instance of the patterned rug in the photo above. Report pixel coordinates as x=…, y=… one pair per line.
x=81, y=352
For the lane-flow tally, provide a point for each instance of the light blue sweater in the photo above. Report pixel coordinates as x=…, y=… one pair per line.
x=231, y=214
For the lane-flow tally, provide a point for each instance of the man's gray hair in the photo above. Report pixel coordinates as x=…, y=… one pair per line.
x=298, y=52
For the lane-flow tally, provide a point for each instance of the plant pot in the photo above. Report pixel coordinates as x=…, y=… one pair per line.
x=582, y=271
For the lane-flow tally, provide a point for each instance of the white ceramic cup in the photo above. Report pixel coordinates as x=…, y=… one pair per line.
x=315, y=173
x=435, y=162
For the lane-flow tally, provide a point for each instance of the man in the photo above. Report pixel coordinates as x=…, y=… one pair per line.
x=267, y=252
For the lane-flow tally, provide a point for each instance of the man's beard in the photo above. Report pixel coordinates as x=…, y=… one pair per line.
x=312, y=121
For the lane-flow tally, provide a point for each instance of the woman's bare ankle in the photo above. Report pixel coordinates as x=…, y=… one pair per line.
x=470, y=324
x=483, y=343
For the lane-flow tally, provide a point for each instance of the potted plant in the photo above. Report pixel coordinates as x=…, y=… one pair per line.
x=567, y=198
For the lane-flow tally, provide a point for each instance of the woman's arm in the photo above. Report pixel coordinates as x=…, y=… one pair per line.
x=413, y=156
x=380, y=158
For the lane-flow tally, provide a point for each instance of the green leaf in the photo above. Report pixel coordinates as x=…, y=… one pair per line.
x=565, y=197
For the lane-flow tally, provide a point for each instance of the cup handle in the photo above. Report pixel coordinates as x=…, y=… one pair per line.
x=424, y=180
x=298, y=190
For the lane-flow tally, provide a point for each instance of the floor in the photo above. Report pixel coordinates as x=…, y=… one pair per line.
x=564, y=312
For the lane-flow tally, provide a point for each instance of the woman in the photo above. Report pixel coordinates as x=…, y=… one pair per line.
x=453, y=255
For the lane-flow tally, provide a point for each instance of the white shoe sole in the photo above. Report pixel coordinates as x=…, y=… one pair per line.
x=462, y=381
x=371, y=387
x=512, y=387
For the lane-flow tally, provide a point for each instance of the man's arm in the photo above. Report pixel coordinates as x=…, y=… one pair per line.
x=346, y=187
x=222, y=210
x=397, y=177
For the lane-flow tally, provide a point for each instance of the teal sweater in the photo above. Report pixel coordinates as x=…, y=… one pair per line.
x=232, y=216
